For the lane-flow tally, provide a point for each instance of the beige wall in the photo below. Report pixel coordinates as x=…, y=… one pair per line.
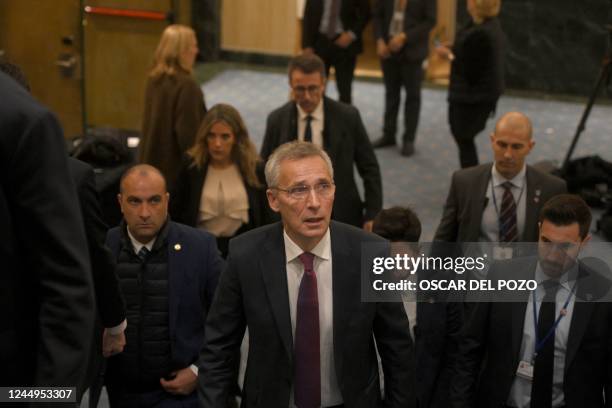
x=261, y=26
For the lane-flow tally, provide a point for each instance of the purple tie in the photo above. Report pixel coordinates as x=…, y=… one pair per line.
x=307, y=355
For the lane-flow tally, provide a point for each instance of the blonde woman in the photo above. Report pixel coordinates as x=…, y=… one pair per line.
x=220, y=185
x=477, y=76
x=174, y=102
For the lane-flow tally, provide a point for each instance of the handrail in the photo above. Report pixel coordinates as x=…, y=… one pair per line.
x=139, y=14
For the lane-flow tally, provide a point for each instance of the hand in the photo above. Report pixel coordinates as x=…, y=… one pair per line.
x=382, y=50
x=444, y=51
x=308, y=51
x=184, y=382
x=344, y=40
x=367, y=226
x=112, y=343
x=397, y=42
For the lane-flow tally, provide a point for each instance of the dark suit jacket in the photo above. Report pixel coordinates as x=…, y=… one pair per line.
x=253, y=292
x=419, y=19
x=347, y=143
x=185, y=200
x=436, y=341
x=354, y=15
x=477, y=72
x=194, y=266
x=495, y=330
x=46, y=291
x=109, y=301
x=466, y=202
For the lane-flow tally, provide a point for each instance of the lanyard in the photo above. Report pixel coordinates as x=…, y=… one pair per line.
x=540, y=343
x=517, y=202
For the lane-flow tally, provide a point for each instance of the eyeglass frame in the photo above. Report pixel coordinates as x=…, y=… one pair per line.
x=307, y=193
x=311, y=90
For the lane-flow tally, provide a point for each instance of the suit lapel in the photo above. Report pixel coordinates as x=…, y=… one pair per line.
x=290, y=126
x=342, y=284
x=176, y=271
x=480, y=194
x=580, y=317
x=274, y=273
x=532, y=205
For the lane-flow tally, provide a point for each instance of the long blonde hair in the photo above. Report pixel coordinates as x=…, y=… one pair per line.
x=244, y=153
x=175, y=40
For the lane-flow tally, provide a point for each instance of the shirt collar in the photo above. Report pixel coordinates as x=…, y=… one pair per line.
x=517, y=181
x=317, y=114
x=137, y=245
x=321, y=250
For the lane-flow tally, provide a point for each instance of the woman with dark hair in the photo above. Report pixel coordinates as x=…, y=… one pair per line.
x=477, y=76
x=174, y=102
x=219, y=187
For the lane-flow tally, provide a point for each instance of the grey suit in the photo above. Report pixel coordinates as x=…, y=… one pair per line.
x=466, y=202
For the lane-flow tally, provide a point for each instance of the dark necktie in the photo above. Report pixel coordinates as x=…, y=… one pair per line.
x=333, y=18
x=541, y=389
x=508, y=231
x=142, y=253
x=307, y=350
x=308, y=130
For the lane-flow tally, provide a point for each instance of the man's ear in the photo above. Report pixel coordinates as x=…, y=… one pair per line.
x=119, y=201
x=272, y=200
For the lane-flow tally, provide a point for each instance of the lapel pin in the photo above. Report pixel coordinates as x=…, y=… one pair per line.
x=177, y=247
x=536, y=199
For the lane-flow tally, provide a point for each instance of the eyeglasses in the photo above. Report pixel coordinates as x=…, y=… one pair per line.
x=312, y=90
x=323, y=190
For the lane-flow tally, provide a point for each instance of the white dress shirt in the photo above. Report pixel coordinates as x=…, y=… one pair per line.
x=316, y=124
x=330, y=391
x=489, y=227
x=520, y=393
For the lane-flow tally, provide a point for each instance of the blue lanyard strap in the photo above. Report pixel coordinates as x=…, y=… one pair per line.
x=539, y=344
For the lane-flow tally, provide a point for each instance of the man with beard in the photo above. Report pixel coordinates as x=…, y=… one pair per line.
x=546, y=348
x=499, y=201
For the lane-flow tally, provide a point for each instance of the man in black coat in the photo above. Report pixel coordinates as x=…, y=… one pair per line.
x=168, y=273
x=296, y=285
x=547, y=348
x=332, y=29
x=402, y=30
x=338, y=129
x=46, y=291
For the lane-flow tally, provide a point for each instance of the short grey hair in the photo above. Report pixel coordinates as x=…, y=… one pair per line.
x=293, y=151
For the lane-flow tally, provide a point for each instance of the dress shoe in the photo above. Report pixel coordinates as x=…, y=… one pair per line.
x=408, y=149
x=383, y=142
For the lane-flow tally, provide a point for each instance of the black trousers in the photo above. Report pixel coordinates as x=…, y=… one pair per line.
x=398, y=74
x=466, y=121
x=343, y=60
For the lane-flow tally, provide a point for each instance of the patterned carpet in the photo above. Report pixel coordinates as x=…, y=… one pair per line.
x=420, y=181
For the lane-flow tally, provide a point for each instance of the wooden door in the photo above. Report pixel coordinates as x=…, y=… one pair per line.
x=43, y=38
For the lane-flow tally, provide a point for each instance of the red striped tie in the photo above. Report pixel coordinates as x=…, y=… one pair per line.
x=307, y=350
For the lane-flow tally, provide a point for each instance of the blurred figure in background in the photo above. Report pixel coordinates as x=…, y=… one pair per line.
x=220, y=185
x=477, y=76
x=174, y=102
x=402, y=30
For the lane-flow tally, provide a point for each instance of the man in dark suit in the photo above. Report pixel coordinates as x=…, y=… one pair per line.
x=168, y=273
x=402, y=30
x=434, y=323
x=336, y=127
x=46, y=291
x=547, y=348
x=332, y=29
x=500, y=201
x=296, y=286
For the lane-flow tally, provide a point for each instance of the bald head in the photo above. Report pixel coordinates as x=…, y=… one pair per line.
x=511, y=143
x=144, y=171
x=515, y=122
